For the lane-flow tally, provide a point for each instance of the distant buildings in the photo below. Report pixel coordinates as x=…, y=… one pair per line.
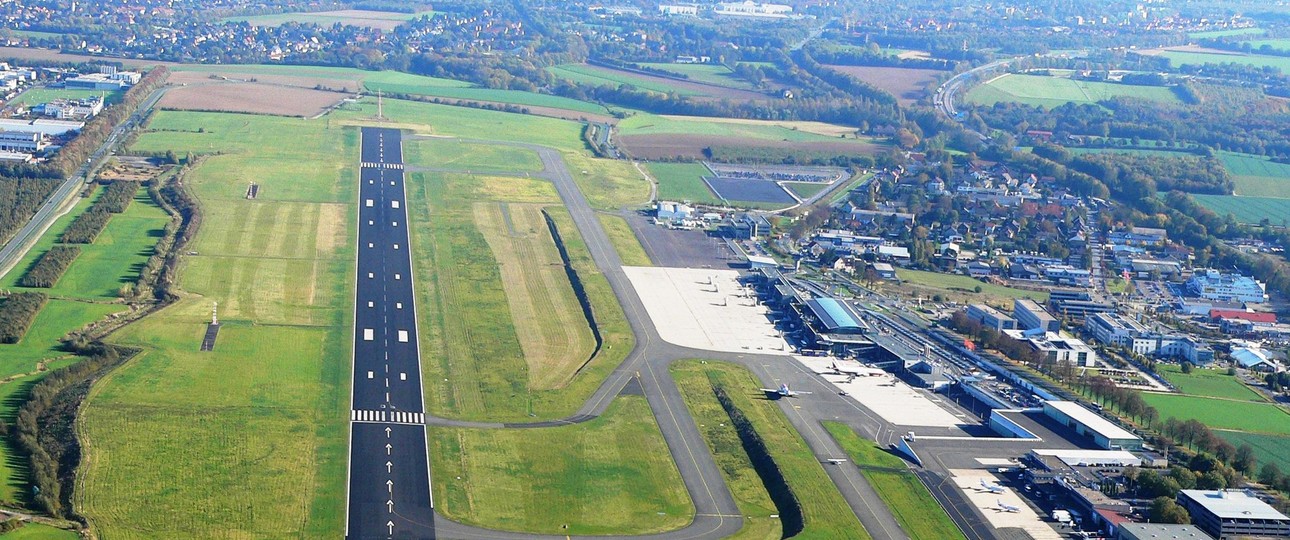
x=1068, y=275
x=1214, y=285
x=1138, y=236
x=678, y=9
x=748, y=8
x=1228, y=513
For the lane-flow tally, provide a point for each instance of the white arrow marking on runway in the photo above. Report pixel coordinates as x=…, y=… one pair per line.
x=389, y=467
x=390, y=524
x=389, y=485
x=389, y=505
x=387, y=431
x=388, y=447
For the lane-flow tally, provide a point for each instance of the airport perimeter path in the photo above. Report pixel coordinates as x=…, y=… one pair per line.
x=716, y=515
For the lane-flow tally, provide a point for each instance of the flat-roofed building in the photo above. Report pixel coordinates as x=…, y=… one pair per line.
x=1229, y=513
x=990, y=317
x=1104, y=433
x=1215, y=285
x=1058, y=348
x=1030, y=316
x=1114, y=328
x=1159, y=531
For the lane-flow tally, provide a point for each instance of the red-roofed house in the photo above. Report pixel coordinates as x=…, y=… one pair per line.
x=1217, y=315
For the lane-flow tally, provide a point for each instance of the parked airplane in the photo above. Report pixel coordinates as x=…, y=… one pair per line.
x=783, y=391
x=1005, y=507
x=840, y=370
x=992, y=487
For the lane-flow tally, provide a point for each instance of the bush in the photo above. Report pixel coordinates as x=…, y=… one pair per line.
x=46, y=271
x=16, y=313
x=116, y=197
x=86, y=227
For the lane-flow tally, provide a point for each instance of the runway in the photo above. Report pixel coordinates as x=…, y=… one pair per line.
x=389, y=493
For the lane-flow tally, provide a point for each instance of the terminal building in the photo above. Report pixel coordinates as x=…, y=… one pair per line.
x=1088, y=423
x=1031, y=316
x=836, y=325
x=1233, y=513
x=990, y=317
x=1214, y=285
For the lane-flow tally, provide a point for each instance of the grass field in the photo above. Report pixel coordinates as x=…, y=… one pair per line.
x=1267, y=448
x=629, y=248
x=965, y=284
x=1178, y=58
x=909, y=500
x=1223, y=414
x=612, y=475
x=682, y=182
x=1054, y=91
x=1208, y=383
x=553, y=333
x=1248, y=209
x=38, y=531
x=1226, y=33
x=1280, y=44
x=247, y=440
x=454, y=154
x=650, y=124
x=36, y=96
x=1257, y=176
x=825, y=513
x=598, y=76
x=112, y=261
x=717, y=74
x=806, y=190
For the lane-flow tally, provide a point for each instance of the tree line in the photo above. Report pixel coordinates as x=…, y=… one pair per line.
x=49, y=267
x=87, y=226
x=16, y=313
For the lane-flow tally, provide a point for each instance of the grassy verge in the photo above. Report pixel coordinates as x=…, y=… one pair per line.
x=825, y=513
x=612, y=475
x=909, y=500
x=608, y=184
x=624, y=240
x=454, y=154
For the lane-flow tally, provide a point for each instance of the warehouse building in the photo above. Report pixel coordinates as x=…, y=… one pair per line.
x=1090, y=424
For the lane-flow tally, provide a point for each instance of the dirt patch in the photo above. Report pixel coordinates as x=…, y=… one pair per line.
x=250, y=98
x=331, y=229
x=232, y=75
x=906, y=84
x=705, y=91
x=130, y=171
x=691, y=146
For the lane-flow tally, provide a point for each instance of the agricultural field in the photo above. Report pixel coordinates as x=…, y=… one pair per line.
x=964, y=285
x=1208, y=383
x=1248, y=209
x=825, y=514
x=1225, y=414
x=382, y=20
x=1181, y=57
x=1257, y=176
x=248, y=439
x=649, y=136
x=714, y=74
x=1280, y=44
x=36, y=96
x=1267, y=448
x=919, y=514
x=611, y=475
x=1051, y=92
x=599, y=76
x=625, y=242
x=907, y=84
x=250, y=97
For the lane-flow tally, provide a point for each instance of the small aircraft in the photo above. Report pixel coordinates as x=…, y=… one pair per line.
x=783, y=391
x=1005, y=507
x=992, y=487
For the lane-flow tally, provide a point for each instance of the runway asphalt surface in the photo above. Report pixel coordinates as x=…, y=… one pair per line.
x=389, y=492
x=716, y=516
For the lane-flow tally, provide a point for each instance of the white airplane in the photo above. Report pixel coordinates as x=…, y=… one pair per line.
x=992, y=487
x=783, y=391
x=852, y=371
x=1005, y=507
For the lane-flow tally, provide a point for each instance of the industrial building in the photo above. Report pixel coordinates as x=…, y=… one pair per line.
x=108, y=78
x=748, y=8
x=1031, y=316
x=673, y=211
x=1227, y=513
x=22, y=141
x=990, y=317
x=1088, y=423
x=1159, y=531
x=1214, y=285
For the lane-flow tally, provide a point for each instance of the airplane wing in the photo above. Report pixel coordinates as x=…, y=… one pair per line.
x=776, y=390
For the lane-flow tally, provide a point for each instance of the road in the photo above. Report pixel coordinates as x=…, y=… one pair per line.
x=717, y=516
x=389, y=493
x=16, y=248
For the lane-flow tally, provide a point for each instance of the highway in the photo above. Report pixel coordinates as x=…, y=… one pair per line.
x=389, y=493
x=17, y=246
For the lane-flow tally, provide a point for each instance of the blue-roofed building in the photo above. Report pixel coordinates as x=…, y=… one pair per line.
x=834, y=316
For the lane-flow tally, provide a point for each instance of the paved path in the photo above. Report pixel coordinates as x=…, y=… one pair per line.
x=717, y=516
